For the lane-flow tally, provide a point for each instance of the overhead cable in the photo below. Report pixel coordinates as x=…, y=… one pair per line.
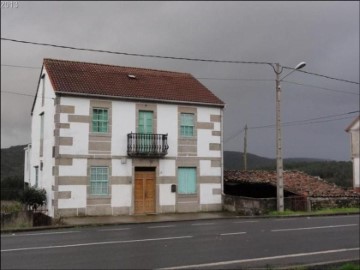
x=166, y=57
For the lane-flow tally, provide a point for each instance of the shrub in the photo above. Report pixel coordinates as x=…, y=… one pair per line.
x=33, y=197
x=11, y=206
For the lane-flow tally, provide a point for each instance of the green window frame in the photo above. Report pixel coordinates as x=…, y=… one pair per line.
x=99, y=179
x=187, y=124
x=186, y=180
x=100, y=120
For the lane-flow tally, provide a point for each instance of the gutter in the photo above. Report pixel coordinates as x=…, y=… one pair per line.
x=140, y=99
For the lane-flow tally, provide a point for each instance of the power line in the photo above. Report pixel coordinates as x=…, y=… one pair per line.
x=328, y=89
x=296, y=122
x=165, y=57
x=306, y=120
x=306, y=85
x=315, y=122
x=223, y=79
x=16, y=66
x=234, y=79
x=324, y=76
x=16, y=93
x=21, y=94
x=237, y=133
x=134, y=54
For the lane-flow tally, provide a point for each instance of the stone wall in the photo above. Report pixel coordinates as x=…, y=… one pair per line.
x=24, y=219
x=262, y=206
x=19, y=219
x=340, y=202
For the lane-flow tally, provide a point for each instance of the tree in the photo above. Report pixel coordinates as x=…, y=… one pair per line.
x=34, y=197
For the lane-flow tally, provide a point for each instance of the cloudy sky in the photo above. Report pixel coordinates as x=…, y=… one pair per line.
x=323, y=34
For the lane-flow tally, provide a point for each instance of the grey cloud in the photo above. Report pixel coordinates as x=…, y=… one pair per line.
x=324, y=34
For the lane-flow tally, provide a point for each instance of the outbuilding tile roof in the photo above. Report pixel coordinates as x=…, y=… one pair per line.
x=296, y=182
x=127, y=82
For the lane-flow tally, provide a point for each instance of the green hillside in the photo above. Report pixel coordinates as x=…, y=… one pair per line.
x=235, y=161
x=12, y=161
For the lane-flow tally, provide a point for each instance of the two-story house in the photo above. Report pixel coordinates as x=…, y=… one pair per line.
x=354, y=130
x=112, y=140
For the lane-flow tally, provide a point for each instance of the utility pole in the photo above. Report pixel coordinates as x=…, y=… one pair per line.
x=245, y=148
x=279, y=160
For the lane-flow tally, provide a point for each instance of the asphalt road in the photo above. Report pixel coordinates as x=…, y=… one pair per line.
x=217, y=244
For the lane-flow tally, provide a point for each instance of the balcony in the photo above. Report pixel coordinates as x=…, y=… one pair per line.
x=147, y=145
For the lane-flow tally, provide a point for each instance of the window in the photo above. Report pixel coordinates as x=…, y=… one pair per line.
x=43, y=90
x=42, y=126
x=100, y=120
x=99, y=178
x=187, y=124
x=41, y=134
x=187, y=180
x=36, y=176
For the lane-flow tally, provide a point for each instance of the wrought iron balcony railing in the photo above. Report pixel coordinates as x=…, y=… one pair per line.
x=147, y=145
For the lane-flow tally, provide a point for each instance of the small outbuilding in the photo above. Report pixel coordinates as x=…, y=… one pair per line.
x=254, y=192
x=354, y=130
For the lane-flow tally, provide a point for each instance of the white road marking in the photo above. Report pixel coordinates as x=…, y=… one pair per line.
x=249, y=221
x=118, y=229
x=163, y=226
x=232, y=233
x=263, y=258
x=202, y=224
x=312, y=228
x=286, y=219
x=35, y=234
x=98, y=243
x=343, y=216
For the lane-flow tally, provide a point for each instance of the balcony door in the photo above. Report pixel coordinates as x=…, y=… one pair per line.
x=145, y=126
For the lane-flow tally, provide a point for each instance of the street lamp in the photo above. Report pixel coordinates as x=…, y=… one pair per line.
x=279, y=161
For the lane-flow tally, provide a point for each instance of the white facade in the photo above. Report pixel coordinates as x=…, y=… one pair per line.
x=41, y=161
x=61, y=159
x=354, y=130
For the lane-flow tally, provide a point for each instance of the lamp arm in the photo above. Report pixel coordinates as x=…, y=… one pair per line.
x=287, y=74
x=273, y=66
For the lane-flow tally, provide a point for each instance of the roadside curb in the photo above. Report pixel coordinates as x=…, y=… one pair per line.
x=67, y=226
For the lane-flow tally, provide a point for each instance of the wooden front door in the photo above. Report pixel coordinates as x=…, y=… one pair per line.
x=145, y=192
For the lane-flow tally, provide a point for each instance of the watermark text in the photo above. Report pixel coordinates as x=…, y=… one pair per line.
x=9, y=4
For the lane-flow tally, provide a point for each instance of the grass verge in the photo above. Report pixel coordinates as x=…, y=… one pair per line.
x=317, y=212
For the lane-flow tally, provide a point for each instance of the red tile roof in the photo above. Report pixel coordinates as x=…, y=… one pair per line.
x=98, y=79
x=296, y=182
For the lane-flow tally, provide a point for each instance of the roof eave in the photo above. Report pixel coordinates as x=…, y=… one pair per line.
x=352, y=123
x=37, y=89
x=61, y=93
